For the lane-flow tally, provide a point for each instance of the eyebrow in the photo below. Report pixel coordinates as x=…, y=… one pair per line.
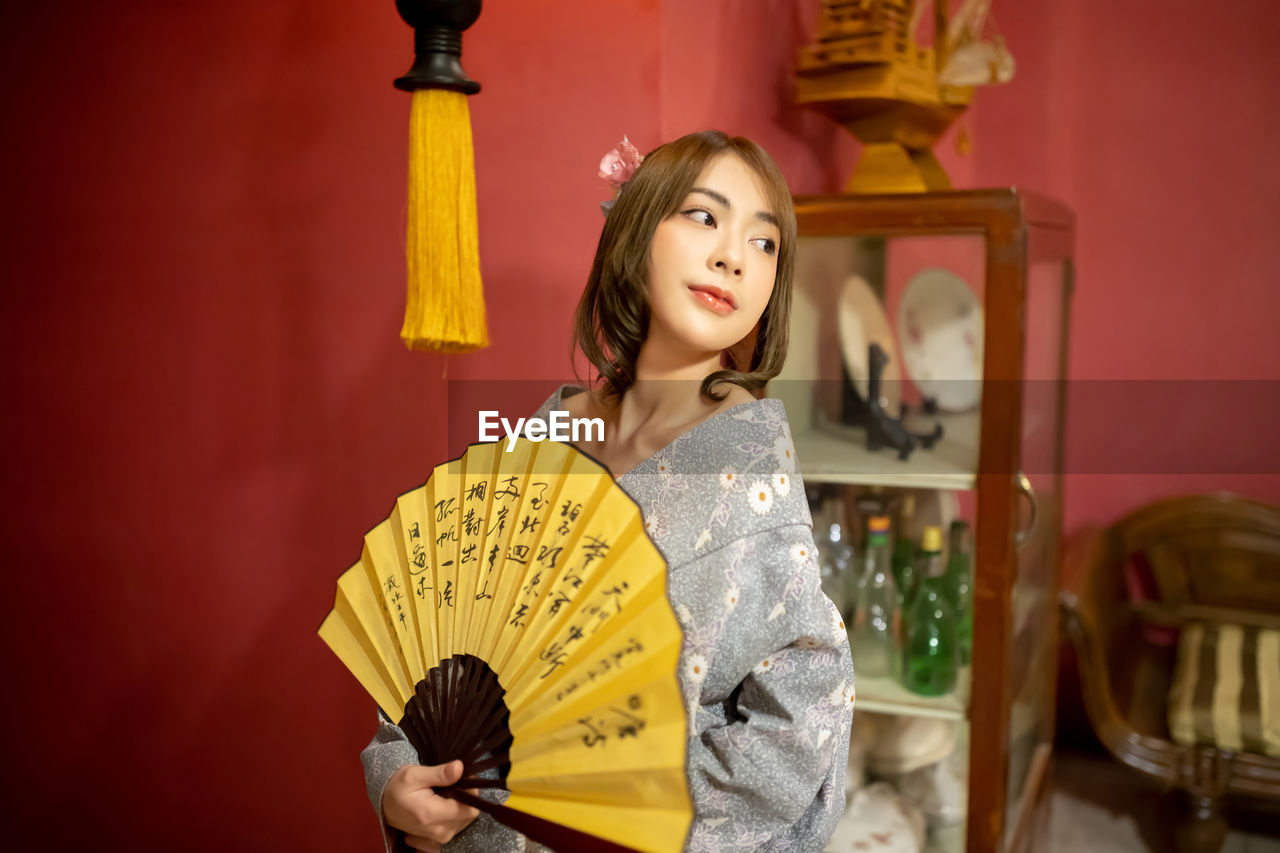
x=724, y=202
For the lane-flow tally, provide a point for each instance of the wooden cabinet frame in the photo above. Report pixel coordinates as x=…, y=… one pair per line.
x=1018, y=229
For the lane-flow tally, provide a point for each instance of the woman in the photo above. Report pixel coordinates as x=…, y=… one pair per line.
x=685, y=317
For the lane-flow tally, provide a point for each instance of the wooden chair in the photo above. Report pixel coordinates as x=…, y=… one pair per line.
x=1128, y=592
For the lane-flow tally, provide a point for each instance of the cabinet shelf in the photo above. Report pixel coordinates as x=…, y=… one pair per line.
x=948, y=839
x=888, y=696
x=834, y=453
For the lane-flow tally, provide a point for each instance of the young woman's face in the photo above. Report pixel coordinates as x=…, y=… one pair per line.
x=713, y=262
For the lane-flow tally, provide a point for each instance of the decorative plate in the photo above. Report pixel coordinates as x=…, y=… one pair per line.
x=940, y=328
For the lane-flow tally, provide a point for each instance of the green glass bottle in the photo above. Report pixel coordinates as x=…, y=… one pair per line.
x=960, y=588
x=930, y=658
x=874, y=637
x=904, y=552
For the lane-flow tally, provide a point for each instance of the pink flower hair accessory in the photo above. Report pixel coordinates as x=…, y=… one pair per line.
x=617, y=167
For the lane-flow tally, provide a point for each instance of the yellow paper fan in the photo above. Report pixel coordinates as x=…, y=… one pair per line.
x=512, y=612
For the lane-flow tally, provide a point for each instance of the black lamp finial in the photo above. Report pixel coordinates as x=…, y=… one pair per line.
x=437, y=44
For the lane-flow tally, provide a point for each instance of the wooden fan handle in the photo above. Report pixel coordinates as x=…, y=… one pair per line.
x=554, y=835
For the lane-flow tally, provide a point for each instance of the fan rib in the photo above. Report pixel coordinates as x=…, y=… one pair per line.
x=438, y=709
x=492, y=742
x=554, y=835
x=473, y=692
x=416, y=725
x=469, y=736
x=465, y=700
x=446, y=700
x=480, y=724
x=482, y=782
x=496, y=760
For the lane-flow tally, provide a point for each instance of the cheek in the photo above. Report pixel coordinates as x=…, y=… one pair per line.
x=663, y=251
x=762, y=292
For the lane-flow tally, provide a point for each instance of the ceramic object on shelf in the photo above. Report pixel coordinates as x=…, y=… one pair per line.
x=938, y=790
x=905, y=743
x=940, y=328
x=880, y=819
x=862, y=322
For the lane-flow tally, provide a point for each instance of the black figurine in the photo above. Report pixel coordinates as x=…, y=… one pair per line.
x=883, y=428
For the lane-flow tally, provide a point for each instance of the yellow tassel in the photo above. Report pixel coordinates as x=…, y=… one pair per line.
x=445, y=307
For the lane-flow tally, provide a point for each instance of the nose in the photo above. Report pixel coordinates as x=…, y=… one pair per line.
x=728, y=259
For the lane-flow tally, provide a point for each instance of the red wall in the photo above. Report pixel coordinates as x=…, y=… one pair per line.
x=208, y=403
x=1160, y=130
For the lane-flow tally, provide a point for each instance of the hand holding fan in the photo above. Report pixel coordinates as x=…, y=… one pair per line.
x=512, y=612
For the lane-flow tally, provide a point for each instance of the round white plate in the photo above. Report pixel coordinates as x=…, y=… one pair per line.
x=940, y=330
x=862, y=322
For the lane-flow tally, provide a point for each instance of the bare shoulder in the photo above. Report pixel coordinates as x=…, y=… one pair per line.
x=736, y=396
x=584, y=404
x=576, y=405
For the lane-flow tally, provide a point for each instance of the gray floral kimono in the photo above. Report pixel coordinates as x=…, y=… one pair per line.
x=765, y=669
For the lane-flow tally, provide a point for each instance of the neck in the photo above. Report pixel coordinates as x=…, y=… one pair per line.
x=667, y=390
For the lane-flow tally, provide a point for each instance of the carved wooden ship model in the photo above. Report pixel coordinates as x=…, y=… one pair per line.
x=867, y=72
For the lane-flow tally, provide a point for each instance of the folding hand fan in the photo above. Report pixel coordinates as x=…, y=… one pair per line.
x=512, y=612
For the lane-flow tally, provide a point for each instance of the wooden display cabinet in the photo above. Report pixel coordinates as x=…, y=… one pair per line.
x=1002, y=457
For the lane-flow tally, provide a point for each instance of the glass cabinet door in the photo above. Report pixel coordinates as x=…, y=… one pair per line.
x=1033, y=602
x=942, y=317
x=919, y=298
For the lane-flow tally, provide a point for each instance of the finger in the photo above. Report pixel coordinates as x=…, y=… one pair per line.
x=418, y=842
x=456, y=794
x=439, y=809
x=472, y=811
x=434, y=775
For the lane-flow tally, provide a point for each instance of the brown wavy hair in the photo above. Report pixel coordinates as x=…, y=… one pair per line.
x=612, y=319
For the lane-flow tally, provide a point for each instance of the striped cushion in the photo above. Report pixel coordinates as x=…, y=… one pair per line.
x=1226, y=688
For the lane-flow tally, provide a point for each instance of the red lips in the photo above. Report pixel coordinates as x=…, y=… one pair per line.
x=719, y=295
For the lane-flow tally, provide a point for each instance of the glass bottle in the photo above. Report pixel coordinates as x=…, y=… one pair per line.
x=875, y=623
x=904, y=551
x=960, y=588
x=867, y=504
x=835, y=554
x=930, y=658
x=871, y=501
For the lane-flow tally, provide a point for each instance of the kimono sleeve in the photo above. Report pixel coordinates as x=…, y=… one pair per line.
x=774, y=769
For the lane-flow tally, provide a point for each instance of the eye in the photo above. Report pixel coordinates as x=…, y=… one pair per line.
x=768, y=246
x=697, y=214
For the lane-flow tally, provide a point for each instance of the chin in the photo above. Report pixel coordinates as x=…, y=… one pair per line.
x=699, y=331
x=700, y=338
